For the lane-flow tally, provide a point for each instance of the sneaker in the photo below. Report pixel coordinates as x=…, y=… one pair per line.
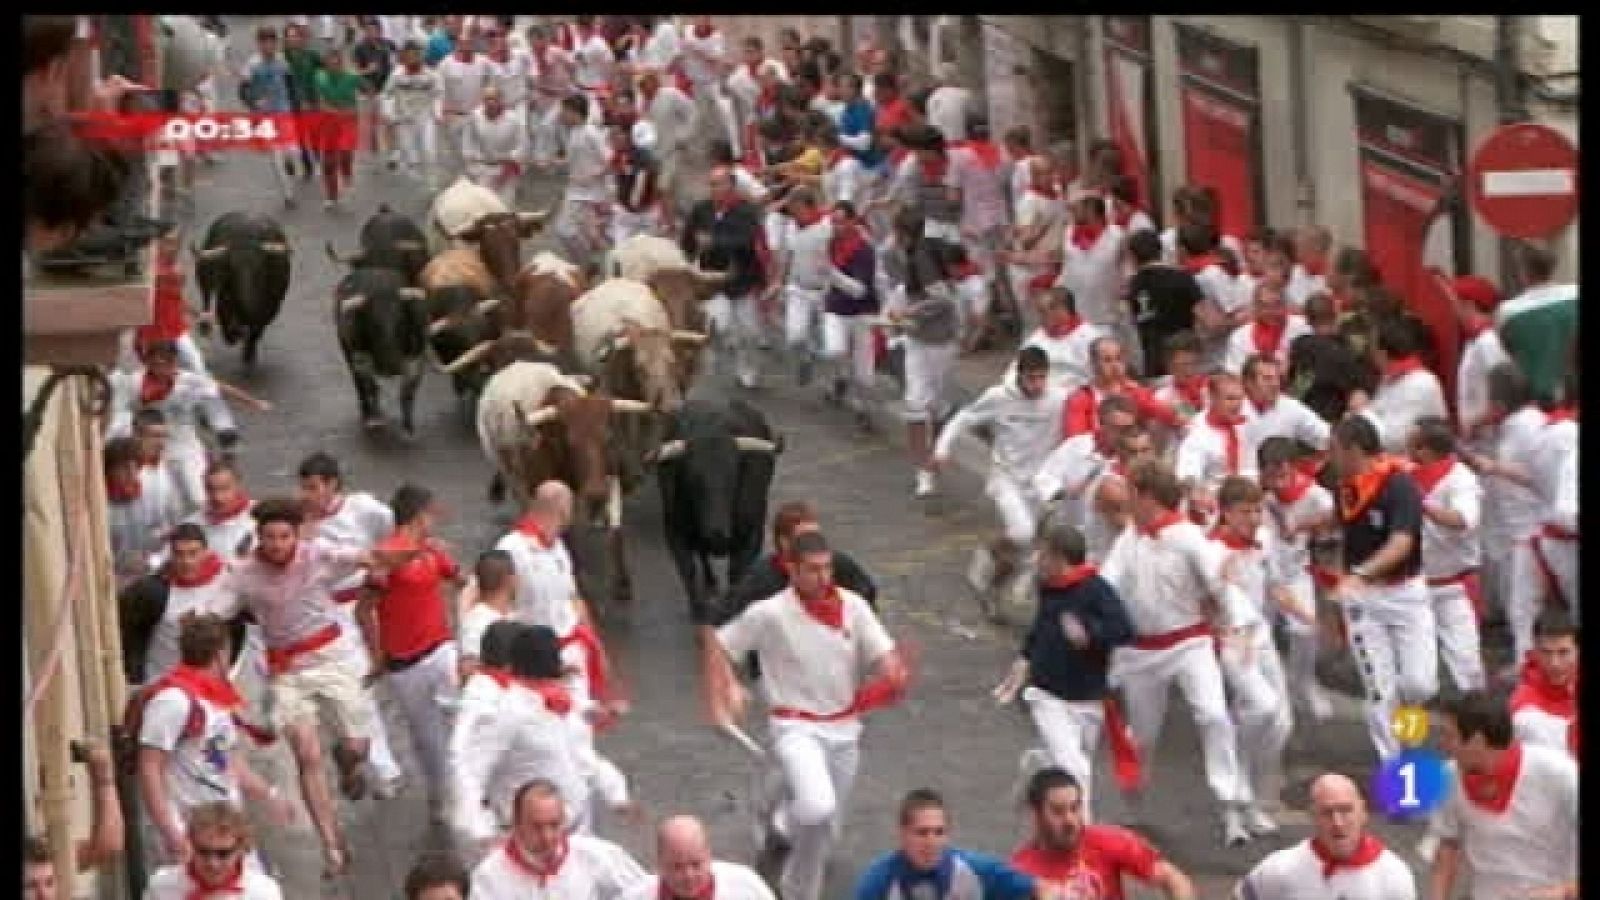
x=1258, y=823
x=1234, y=834
x=926, y=483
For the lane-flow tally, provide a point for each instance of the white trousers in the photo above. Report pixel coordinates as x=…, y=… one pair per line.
x=1562, y=557
x=1071, y=732
x=544, y=132
x=1018, y=506
x=802, y=315
x=424, y=691
x=1304, y=644
x=451, y=156
x=820, y=770
x=1397, y=653
x=847, y=342
x=1457, y=625
x=353, y=647
x=738, y=331
x=186, y=465
x=928, y=369
x=1027, y=301
x=416, y=145
x=1258, y=699
x=1147, y=676
x=625, y=224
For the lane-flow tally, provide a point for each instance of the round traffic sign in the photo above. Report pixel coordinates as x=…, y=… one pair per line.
x=1523, y=181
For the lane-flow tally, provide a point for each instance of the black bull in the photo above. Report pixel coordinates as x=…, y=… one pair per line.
x=244, y=267
x=715, y=470
x=391, y=241
x=383, y=334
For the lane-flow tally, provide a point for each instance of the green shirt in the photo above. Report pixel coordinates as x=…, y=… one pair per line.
x=303, y=68
x=338, y=90
x=1537, y=328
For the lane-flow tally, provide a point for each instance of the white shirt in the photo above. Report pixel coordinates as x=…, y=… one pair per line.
x=1095, y=276
x=1164, y=579
x=1533, y=844
x=173, y=883
x=415, y=95
x=193, y=398
x=703, y=56
x=1301, y=286
x=1400, y=402
x=1445, y=552
x=357, y=520
x=293, y=602
x=139, y=527
x=1532, y=725
x=1242, y=343
x=1069, y=356
x=474, y=622
x=841, y=181
x=230, y=537
x=594, y=869
x=672, y=113
x=1294, y=555
x=732, y=882
x=948, y=107
x=1071, y=469
x=1026, y=429
x=530, y=741
x=552, y=78
x=1220, y=288
x=1035, y=210
x=1557, y=440
x=162, y=653
x=463, y=82
x=1478, y=358
x=478, y=728
x=199, y=769
x=512, y=77
x=588, y=164
x=807, y=251
x=805, y=664
x=1564, y=508
x=1297, y=873
x=594, y=62
x=546, y=586
x=661, y=48
x=486, y=142
x=1519, y=508
x=1254, y=574
x=1202, y=457
x=1286, y=417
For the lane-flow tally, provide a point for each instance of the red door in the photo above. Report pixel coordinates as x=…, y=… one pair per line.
x=1221, y=95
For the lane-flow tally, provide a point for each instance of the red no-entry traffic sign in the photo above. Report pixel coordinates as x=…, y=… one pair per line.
x=1523, y=181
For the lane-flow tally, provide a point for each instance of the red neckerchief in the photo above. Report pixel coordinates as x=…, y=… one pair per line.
x=648, y=95
x=897, y=156
x=233, y=885
x=530, y=528
x=468, y=57
x=986, y=153
x=837, y=155
x=1073, y=576
x=724, y=205
x=202, y=684
x=1299, y=483
x=1561, y=414
x=210, y=568
x=1047, y=191
x=218, y=516
x=1366, y=853
x=148, y=463
x=541, y=873
x=1358, y=492
x=767, y=100
x=827, y=609
x=154, y=390
x=807, y=219
x=1398, y=368
x=963, y=270
x=1103, y=445
x=1122, y=215
x=1491, y=791
x=707, y=893
x=844, y=245
x=1154, y=529
x=1232, y=541
x=1428, y=475
x=1194, y=265
x=1474, y=326
x=555, y=695
x=497, y=675
x=168, y=320
x=1316, y=268
x=1266, y=338
x=933, y=172
x=1193, y=390
x=1230, y=432
x=1535, y=689
x=124, y=491
x=1059, y=330
x=1084, y=237
x=701, y=32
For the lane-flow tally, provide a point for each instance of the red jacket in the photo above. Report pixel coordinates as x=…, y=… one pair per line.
x=1081, y=413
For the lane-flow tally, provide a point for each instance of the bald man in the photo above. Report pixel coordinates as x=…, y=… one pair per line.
x=547, y=593
x=686, y=871
x=1342, y=860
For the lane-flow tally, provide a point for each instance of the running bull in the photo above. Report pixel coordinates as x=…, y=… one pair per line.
x=244, y=267
x=383, y=334
x=389, y=241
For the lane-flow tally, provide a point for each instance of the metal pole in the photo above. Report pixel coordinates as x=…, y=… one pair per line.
x=1509, y=98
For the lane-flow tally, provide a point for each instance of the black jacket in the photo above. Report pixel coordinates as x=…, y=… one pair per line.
x=1056, y=665
x=729, y=243
x=1324, y=370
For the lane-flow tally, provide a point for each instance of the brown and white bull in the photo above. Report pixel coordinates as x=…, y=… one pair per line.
x=541, y=301
x=624, y=336
x=469, y=215
x=536, y=423
x=682, y=288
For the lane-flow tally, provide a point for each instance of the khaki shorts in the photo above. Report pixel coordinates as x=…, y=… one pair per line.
x=323, y=677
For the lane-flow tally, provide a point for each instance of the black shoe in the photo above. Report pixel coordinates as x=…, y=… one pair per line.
x=288, y=167
x=774, y=852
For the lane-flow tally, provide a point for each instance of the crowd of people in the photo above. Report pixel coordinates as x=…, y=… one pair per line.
x=1202, y=439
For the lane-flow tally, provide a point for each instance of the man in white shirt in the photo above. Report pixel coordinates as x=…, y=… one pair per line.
x=1065, y=339
x=1092, y=270
x=661, y=48
x=1068, y=474
x=592, y=58
x=551, y=83
x=1452, y=500
x=581, y=225
x=141, y=505
x=949, y=105
x=186, y=399
x=152, y=609
x=1298, y=509
x=843, y=178
x=1511, y=818
x=671, y=112
x=462, y=77
x=1216, y=446
x=1553, y=550
x=1475, y=302
x=1343, y=859
x=494, y=143
x=541, y=859
x=1034, y=251
x=705, y=52
x=816, y=643
x=1270, y=332
x=512, y=72
x=977, y=173
x=686, y=870
x=1269, y=413
x=412, y=96
x=1408, y=390
x=1025, y=413
x=1313, y=245
x=1544, y=706
x=220, y=862
x=805, y=267
x=1168, y=573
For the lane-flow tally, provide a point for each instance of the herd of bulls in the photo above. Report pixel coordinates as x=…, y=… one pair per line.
x=584, y=383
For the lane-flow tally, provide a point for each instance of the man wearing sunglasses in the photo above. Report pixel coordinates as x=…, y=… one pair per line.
x=219, y=836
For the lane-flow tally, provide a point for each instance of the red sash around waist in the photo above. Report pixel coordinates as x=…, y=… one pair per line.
x=279, y=659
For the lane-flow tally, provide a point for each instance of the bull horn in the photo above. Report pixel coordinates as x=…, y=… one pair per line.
x=709, y=277
x=542, y=347
x=213, y=253
x=544, y=414
x=352, y=302
x=409, y=245
x=487, y=306
x=414, y=293
x=335, y=256
x=532, y=218
x=440, y=326
x=755, y=445
x=669, y=450
x=274, y=247
x=689, y=337
x=468, y=358
x=623, y=404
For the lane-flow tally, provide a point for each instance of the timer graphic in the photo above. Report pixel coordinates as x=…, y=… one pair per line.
x=207, y=132
x=206, y=129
